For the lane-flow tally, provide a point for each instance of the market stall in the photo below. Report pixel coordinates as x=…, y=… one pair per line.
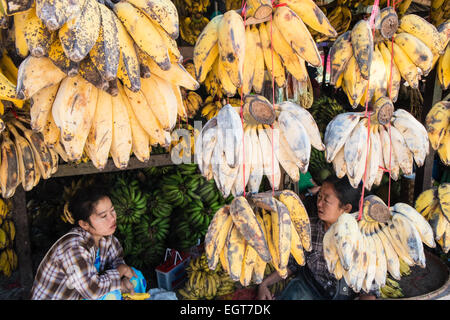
x=210, y=122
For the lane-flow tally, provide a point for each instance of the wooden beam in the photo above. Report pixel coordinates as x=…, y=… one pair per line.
x=22, y=241
x=68, y=169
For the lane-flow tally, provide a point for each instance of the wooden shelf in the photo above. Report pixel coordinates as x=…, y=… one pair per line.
x=68, y=169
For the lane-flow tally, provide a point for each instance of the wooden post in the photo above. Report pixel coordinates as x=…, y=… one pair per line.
x=433, y=94
x=23, y=245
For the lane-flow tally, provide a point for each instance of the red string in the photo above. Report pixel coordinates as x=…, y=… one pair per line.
x=15, y=114
x=273, y=104
x=244, y=12
x=371, y=21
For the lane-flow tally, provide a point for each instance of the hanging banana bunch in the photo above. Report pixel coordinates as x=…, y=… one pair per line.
x=8, y=256
x=8, y=82
x=25, y=156
x=358, y=55
x=238, y=157
x=443, y=64
x=394, y=141
x=437, y=124
x=433, y=205
x=440, y=11
x=250, y=233
x=124, y=53
x=212, y=106
x=234, y=55
x=192, y=18
x=340, y=18
x=365, y=251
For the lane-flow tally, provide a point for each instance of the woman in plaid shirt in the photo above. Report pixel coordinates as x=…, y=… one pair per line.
x=87, y=263
x=313, y=281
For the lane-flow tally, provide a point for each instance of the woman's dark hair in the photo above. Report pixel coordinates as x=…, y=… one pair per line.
x=345, y=191
x=82, y=204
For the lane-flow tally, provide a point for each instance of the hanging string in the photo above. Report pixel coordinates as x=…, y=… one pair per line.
x=366, y=114
x=244, y=14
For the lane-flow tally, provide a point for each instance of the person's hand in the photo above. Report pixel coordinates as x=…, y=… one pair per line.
x=126, y=271
x=264, y=293
x=126, y=286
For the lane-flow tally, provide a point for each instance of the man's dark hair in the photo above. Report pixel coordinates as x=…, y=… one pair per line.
x=83, y=202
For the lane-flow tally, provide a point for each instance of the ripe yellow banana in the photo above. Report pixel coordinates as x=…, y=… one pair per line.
x=35, y=74
x=206, y=48
x=272, y=60
x=407, y=68
x=297, y=35
x=128, y=72
x=160, y=12
x=436, y=122
x=79, y=34
x=121, y=143
x=231, y=40
x=312, y=16
x=105, y=53
x=362, y=43
x=416, y=50
x=144, y=33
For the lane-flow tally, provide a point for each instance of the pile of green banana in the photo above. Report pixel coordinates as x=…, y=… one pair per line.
x=129, y=201
x=324, y=109
x=143, y=219
x=8, y=257
x=391, y=289
x=195, y=201
x=319, y=168
x=203, y=283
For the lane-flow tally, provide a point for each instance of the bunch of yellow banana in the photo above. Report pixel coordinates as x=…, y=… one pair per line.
x=233, y=4
x=183, y=143
x=236, y=55
x=238, y=156
x=8, y=81
x=25, y=157
x=104, y=43
x=357, y=58
x=250, y=233
x=395, y=144
x=8, y=261
x=211, y=106
x=203, y=283
x=434, y=205
x=440, y=11
x=364, y=252
x=192, y=101
x=75, y=116
x=8, y=257
x=443, y=64
x=192, y=26
x=340, y=18
x=193, y=6
x=437, y=124
x=192, y=18
x=391, y=289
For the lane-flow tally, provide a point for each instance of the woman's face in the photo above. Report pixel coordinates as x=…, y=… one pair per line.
x=328, y=204
x=103, y=219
